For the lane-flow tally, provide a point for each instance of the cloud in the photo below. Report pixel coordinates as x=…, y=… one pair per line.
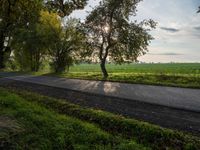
x=197, y=28
x=173, y=30
x=166, y=54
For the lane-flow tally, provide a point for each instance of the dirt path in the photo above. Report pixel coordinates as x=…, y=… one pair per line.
x=179, y=119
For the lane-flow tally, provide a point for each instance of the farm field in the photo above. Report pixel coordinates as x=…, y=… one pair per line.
x=186, y=75
x=48, y=123
x=168, y=68
x=178, y=75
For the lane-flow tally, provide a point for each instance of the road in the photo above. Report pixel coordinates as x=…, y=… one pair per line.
x=153, y=104
x=180, y=98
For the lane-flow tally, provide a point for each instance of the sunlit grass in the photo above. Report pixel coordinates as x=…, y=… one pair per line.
x=185, y=80
x=103, y=129
x=35, y=127
x=178, y=75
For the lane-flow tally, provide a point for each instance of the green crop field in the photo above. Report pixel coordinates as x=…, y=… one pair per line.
x=178, y=75
x=169, y=74
x=169, y=68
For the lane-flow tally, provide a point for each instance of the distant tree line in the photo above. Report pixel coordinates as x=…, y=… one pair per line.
x=40, y=32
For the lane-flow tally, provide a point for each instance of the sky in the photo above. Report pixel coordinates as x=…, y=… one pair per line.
x=177, y=35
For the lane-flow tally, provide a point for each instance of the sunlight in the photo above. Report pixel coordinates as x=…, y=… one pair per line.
x=106, y=29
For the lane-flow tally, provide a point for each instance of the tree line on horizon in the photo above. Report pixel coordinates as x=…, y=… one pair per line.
x=39, y=32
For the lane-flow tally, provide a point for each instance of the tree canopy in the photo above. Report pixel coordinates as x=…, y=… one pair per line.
x=30, y=43
x=113, y=35
x=65, y=8
x=64, y=44
x=15, y=14
x=41, y=30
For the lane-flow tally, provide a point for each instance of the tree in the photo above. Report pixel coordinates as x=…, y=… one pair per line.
x=14, y=14
x=29, y=50
x=64, y=44
x=113, y=35
x=198, y=10
x=69, y=41
x=65, y=8
x=68, y=47
x=22, y=26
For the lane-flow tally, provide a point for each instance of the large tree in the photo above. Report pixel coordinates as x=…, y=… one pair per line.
x=113, y=35
x=14, y=14
x=65, y=7
x=68, y=47
x=29, y=43
x=69, y=41
x=19, y=20
x=64, y=44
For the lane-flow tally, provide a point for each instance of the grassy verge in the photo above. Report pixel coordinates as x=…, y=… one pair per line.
x=143, y=133
x=173, y=80
x=187, y=81
x=176, y=75
x=27, y=125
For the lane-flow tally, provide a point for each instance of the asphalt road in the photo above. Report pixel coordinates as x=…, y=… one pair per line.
x=180, y=98
x=168, y=117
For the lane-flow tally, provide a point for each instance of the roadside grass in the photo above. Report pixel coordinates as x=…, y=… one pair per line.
x=27, y=125
x=185, y=75
x=187, y=81
x=146, y=134
x=169, y=74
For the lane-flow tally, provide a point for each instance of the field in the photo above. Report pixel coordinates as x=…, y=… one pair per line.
x=179, y=75
x=186, y=75
x=168, y=68
x=32, y=121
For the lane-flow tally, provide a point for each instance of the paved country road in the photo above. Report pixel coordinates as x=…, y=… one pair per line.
x=101, y=95
x=181, y=98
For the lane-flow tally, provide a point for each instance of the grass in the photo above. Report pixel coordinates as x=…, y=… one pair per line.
x=176, y=75
x=27, y=125
x=173, y=68
x=145, y=134
x=148, y=79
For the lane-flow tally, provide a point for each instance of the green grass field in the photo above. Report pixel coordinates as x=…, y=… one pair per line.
x=32, y=121
x=175, y=69
x=179, y=75
x=169, y=74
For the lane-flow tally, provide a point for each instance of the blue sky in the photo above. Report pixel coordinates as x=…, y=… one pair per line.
x=177, y=36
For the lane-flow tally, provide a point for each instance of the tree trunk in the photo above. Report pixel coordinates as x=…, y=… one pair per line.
x=2, y=59
x=2, y=52
x=103, y=69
